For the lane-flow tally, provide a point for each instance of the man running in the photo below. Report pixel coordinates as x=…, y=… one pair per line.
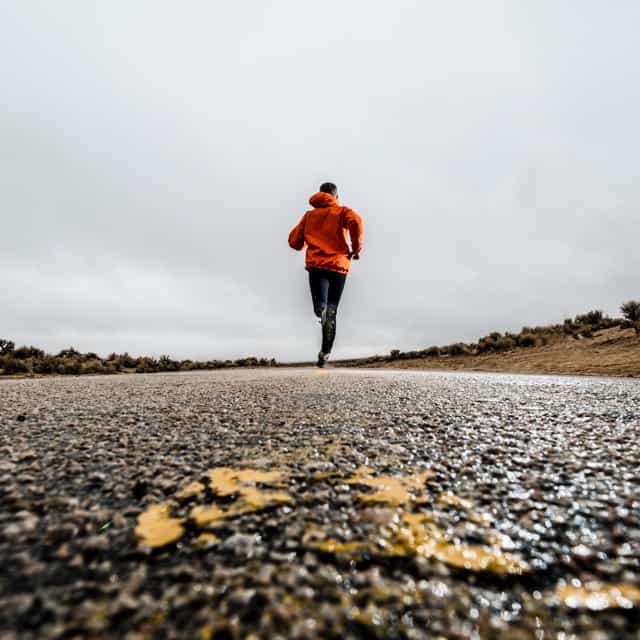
x=323, y=230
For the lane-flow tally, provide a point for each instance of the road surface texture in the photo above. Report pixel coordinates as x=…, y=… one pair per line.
x=299, y=503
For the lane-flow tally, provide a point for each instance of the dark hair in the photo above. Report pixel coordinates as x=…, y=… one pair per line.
x=329, y=187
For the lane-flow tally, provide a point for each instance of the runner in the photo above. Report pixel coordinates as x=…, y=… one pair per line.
x=323, y=230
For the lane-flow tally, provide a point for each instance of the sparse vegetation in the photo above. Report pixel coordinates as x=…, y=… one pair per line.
x=6, y=346
x=458, y=349
x=584, y=325
x=631, y=312
x=34, y=361
x=527, y=340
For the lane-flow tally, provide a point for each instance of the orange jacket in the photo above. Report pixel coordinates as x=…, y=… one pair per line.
x=323, y=230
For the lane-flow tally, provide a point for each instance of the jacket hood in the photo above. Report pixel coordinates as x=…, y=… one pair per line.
x=322, y=199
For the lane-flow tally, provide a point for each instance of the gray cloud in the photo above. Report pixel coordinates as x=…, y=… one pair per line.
x=154, y=157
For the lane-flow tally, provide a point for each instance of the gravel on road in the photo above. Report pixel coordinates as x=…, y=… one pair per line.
x=301, y=503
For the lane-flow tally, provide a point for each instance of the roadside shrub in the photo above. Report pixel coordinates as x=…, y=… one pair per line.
x=10, y=365
x=69, y=353
x=165, y=363
x=147, y=365
x=527, y=340
x=586, y=331
x=6, y=346
x=458, y=349
x=394, y=354
x=246, y=362
x=22, y=353
x=127, y=361
x=70, y=366
x=432, y=352
x=92, y=366
x=608, y=323
x=486, y=344
x=593, y=318
x=631, y=312
x=48, y=364
x=506, y=343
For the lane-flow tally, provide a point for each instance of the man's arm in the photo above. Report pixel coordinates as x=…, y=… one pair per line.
x=296, y=237
x=353, y=224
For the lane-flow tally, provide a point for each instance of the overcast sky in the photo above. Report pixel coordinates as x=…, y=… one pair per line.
x=154, y=156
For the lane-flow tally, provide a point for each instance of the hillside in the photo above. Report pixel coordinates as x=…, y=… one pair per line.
x=613, y=351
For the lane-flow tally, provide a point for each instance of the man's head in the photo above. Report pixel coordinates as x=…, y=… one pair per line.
x=329, y=187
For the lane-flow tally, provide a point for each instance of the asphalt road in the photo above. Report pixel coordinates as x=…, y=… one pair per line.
x=298, y=503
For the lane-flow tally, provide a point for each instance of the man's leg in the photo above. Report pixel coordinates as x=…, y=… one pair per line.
x=336, y=287
x=319, y=285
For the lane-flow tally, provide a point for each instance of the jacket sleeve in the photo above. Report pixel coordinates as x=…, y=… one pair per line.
x=353, y=224
x=296, y=237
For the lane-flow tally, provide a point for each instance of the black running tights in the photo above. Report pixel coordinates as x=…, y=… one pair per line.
x=326, y=289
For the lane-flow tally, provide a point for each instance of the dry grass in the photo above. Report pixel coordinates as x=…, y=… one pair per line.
x=611, y=352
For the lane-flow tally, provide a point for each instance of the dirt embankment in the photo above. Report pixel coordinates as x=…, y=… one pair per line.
x=611, y=352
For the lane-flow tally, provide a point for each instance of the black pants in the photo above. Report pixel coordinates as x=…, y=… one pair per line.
x=326, y=291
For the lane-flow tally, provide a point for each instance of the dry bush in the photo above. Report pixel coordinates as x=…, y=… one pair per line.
x=631, y=312
x=458, y=349
x=10, y=365
x=24, y=352
x=69, y=353
x=47, y=364
x=147, y=365
x=93, y=366
x=247, y=362
x=527, y=340
x=69, y=366
x=592, y=318
x=165, y=363
x=568, y=326
x=496, y=342
x=6, y=346
x=506, y=343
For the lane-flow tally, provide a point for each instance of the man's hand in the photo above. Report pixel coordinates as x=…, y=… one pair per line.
x=354, y=256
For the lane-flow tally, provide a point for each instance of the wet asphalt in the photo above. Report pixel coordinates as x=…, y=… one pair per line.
x=337, y=504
